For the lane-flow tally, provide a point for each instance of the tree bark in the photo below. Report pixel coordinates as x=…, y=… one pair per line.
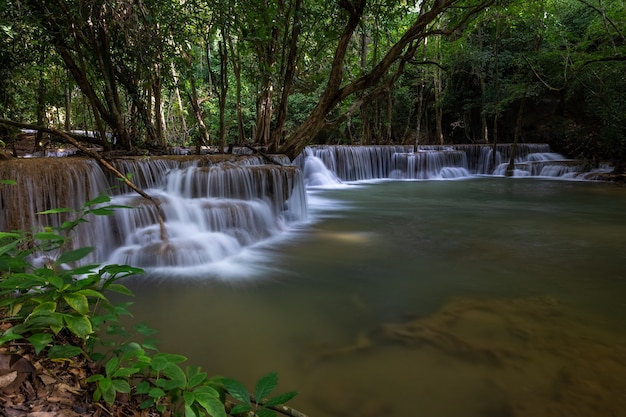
x=334, y=92
x=290, y=70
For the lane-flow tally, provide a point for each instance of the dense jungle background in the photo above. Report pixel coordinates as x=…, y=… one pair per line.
x=152, y=74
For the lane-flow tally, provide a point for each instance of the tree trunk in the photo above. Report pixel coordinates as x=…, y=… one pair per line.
x=290, y=71
x=236, y=62
x=179, y=101
x=335, y=93
x=203, y=138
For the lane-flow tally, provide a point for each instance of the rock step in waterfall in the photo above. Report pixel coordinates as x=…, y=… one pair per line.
x=213, y=207
x=326, y=165
x=216, y=206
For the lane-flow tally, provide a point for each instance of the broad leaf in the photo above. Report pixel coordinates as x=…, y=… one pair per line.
x=119, y=288
x=125, y=372
x=237, y=390
x=79, y=325
x=143, y=387
x=266, y=385
x=240, y=408
x=64, y=351
x=211, y=404
x=264, y=412
x=121, y=386
x=102, y=198
x=74, y=255
x=45, y=308
x=197, y=379
x=92, y=293
x=280, y=399
x=77, y=301
x=111, y=366
x=189, y=411
x=40, y=341
x=8, y=247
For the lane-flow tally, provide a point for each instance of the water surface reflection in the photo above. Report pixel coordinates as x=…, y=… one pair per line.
x=480, y=297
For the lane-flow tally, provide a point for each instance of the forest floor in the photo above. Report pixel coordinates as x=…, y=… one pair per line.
x=35, y=386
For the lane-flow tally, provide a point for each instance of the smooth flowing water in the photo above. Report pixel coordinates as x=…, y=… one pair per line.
x=462, y=298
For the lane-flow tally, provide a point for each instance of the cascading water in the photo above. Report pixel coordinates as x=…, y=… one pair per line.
x=212, y=210
x=358, y=163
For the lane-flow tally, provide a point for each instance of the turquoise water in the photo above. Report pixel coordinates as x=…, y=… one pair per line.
x=502, y=293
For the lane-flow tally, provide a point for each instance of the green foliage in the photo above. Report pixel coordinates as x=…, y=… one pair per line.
x=62, y=310
x=261, y=406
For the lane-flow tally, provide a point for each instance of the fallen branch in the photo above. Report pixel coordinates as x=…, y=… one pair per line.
x=264, y=155
x=283, y=409
x=66, y=137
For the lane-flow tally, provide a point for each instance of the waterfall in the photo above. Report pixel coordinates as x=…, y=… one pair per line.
x=214, y=207
x=357, y=163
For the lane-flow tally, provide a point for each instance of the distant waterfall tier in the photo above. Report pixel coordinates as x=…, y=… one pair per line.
x=357, y=163
x=213, y=207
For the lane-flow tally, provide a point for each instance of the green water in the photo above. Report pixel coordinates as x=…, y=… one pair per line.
x=520, y=284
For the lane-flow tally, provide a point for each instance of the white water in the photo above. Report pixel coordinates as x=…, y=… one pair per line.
x=219, y=216
x=359, y=163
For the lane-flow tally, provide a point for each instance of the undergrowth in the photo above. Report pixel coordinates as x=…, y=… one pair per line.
x=61, y=307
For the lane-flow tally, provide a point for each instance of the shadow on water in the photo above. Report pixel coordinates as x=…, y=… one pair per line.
x=479, y=297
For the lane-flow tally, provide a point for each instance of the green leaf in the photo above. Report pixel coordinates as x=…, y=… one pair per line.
x=102, y=198
x=105, y=383
x=94, y=378
x=79, y=325
x=240, y=408
x=121, y=385
x=211, y=404
x=156, y=392
x=107, y=210
x=237, y=390
x=64, y=352
x=189, y=412
x=197, y=379
x=82, y=270
x=266, y=385
x=8, y=182
x=176, y=375
x=124, y=270
x=121, y=289
x=102, y=211
x=56, y=281
x=74, y=255
x=92, y=293
x=8, y=247
x=264, y=412
x=77, y=301
x=189, y=397
x=145, y=330
x=143, y=387
x=147, y=403
x=45, y=308
x=109, y=394
x=280, y=399
x=40, y=341
x=125, y=372
x=55, y=211
x=10, y=235
x=111, y=366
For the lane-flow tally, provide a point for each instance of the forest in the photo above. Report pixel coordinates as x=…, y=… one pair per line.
x=148, y=75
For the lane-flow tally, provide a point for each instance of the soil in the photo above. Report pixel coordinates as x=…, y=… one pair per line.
x=34, y=386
